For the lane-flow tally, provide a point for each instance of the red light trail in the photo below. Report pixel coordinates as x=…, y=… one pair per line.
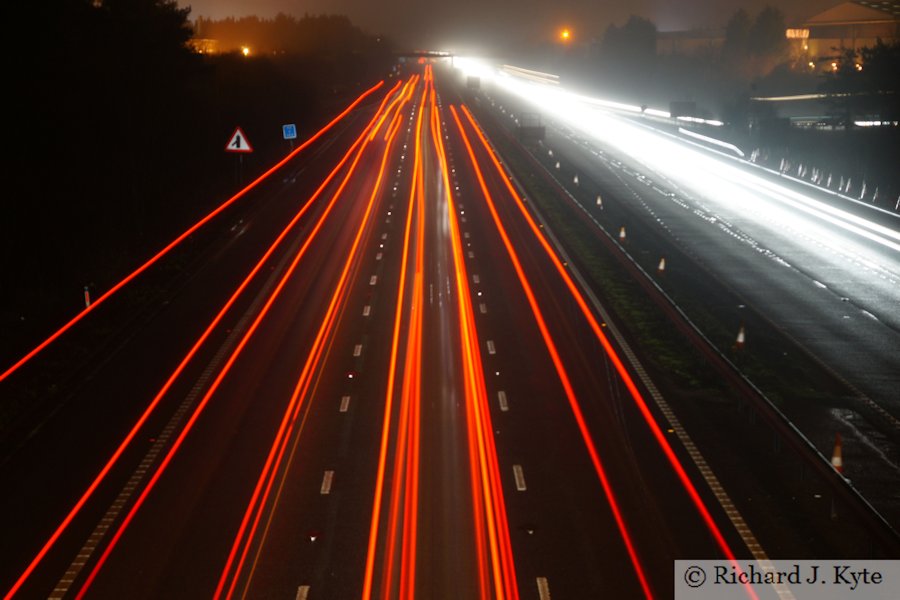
x=171, y=245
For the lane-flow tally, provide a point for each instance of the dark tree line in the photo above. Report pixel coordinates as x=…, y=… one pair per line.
x=118, y=129
x=319, y=34
x=865, y=85
x=633, y=43
x=759, y=38
x=721, y=76
x=625, y=59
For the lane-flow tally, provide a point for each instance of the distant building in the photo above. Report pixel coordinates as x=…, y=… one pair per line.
x=204, y=46
x=850, y=25
x=694, y=42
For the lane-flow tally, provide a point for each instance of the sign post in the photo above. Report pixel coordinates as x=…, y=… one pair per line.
x=238, y=143
x=289, y=132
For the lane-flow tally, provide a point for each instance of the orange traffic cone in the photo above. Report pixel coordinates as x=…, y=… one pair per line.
x=837, y=461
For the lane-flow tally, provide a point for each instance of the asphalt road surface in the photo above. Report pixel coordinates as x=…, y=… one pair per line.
x=408, y=399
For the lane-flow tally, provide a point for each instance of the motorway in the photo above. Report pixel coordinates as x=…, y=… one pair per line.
x=410, y=397
x=819, y=270
x=833, y=270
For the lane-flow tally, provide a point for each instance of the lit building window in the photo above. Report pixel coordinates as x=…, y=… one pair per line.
x=797, y=34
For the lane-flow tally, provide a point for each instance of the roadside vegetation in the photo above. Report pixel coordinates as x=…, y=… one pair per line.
x=749, y=57
x=119, y=127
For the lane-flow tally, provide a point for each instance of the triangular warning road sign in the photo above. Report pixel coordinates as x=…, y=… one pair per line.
x=238, y=142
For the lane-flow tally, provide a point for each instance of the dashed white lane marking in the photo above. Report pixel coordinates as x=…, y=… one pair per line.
x=345, y=403
x=466, y=235
x=378, y=256
x=820, y=284
x=476, y=279
x=384, y=236
x=373, y=279
x=543, y=588
x=501, y=399
x=357, y=350
x=471, y=254
x=327, y=478
x=492, y=349
x=482, y=307
x=520, y=478
x=303, y=593
x=367, y=310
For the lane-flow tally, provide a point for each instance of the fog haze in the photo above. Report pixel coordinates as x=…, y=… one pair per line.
x=473, y=23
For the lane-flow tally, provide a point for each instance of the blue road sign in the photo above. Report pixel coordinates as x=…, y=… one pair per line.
x=289, y=131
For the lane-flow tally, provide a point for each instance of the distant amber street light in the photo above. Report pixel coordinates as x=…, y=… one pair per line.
x=565, y=35
x=245, y=50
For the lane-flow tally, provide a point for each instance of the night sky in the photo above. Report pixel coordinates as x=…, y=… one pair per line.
x=456, y=23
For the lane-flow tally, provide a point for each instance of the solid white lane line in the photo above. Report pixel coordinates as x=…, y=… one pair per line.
x=520, y=478
x=162, y=440
x=543, y=588
x=326, y=483
x=697, y=458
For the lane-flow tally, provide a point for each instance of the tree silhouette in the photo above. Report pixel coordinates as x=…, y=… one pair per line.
x=631, y=45
x=766, y=36
x=119, y=127
x=737, y=36
x=864, y=84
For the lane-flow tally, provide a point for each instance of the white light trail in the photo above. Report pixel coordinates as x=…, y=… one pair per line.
x=714, y=141
x=714, y=177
